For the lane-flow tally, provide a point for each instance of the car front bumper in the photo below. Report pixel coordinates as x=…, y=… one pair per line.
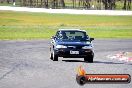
x=66, y=53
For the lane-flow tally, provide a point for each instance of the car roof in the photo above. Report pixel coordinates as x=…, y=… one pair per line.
x=71, y=30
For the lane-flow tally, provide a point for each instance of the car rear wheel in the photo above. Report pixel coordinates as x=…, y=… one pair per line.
x=89, y=59
x=51, y=56
x=54, y=56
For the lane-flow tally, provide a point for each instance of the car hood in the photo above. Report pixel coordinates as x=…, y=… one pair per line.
x=75, y=43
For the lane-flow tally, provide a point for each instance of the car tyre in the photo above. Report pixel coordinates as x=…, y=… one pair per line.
x=54, y=56
x=51, y=56
x=89, y=59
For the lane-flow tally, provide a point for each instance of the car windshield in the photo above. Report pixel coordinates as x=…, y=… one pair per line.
x=73, y=35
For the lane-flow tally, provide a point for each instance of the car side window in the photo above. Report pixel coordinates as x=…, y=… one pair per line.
x=58, y=35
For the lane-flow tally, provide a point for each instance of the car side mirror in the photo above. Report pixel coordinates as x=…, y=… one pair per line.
x=53, y=37
x=91, y=39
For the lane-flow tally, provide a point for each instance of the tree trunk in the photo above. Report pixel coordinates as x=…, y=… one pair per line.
x=46, y=3
x=74, y=3
x=112, y=4
x=124, y=7
x=106, y=4
x=41, y=3
x=99, y=4
x=129, y=5
x=1, y=1
x=62, y=2
x=8, y=1
x=24, y=2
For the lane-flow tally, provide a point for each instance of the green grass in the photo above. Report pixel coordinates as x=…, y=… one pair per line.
x=25, y=25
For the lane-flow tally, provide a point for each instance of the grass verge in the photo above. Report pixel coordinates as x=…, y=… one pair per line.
x=25, y=25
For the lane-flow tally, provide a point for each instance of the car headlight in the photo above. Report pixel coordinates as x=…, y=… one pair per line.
x=87, y=47
x=61, y=46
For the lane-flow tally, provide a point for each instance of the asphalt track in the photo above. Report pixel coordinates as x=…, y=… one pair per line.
x=26, y=64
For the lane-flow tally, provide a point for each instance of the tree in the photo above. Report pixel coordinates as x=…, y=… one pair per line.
x=124, y=7
x=127, y=4
x=31, y=2
x=112, y=4
x=99, y=4
x=54, y=4
x=84, y=3
x=23, y=2
x=109, y=4
x=8, y=1
x=62, y=2
x=46, y=3
x=1, y=1
x=74, y=3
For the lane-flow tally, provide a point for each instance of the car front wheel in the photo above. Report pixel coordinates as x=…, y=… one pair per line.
x=54, y=56
x=51, y=56
x=89, y=59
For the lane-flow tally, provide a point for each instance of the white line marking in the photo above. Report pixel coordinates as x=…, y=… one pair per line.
x=68, y=11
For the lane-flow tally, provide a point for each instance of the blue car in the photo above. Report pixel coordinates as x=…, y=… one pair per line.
x=71, y=43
